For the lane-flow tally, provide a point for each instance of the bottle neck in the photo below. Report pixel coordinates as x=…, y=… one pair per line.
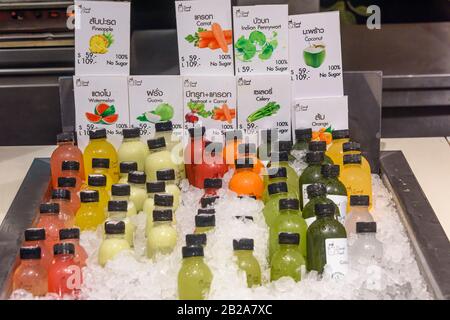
x=60, y=200
x=30, y=262
x=70, y=173
x=66, y=143
x=287, y=247
x=48, y=216
x=325, y=217
x=366, y=235
x=120, y=198
x=288, y=211
x=40, y=243
x=115, y=236
x=193, y=260
x=137, y=185
x=64, y=257
x=117, y=215
x=135, y=139
x=100, y=170
x=243, y=253
x=320, y=197
x=244, y=170
x=278, y=194
x=161, y=223
x=157, y=150
x=210, y=192
x=89, y=205
x=352, y=165
x=75, y=241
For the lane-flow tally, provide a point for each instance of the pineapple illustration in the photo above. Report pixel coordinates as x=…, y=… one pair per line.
x=99, y=43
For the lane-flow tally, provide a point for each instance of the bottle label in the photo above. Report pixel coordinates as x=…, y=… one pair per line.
x=336, y=257
x=305, y=194
x=341, y=202
x=310, y=220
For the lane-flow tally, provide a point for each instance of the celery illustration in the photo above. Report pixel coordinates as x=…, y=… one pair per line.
x=257, y=42
x=268, y=110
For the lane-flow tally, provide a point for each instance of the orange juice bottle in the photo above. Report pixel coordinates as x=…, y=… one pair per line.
x=70, y=183
x=71, y=168
x=335, y=150
x=101, y=166
x=50, y=221
x=355, y=148
x=245, y=182
x=357, y=180
x=35, y=237
x=31, y=275
x=66, y=213
x=72, y=235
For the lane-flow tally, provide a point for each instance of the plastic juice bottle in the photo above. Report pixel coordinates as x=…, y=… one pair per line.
x=302, y=139
x=248, y=150
x=288, y=220
x=359, y=212
x=310, y=175
x=168, y=176
x=72, y=235
x=162, y=237
x=233, y=138
x=366, y=248
x=31, y=275
x=121, y=192
x=265, y=148
x=277, y=191
x=125, y=168
x=113, y=243
x=336, y=190
x=355, y=178
x=35, y=237
x=159, y=158
x=287, y=261
x=99, y=147
x=274, y=175
x=204, y=223
x=62, y=197
x=50, y=221
x=132, y=148
x=355, y=148
x=71, y=168
x=161, y=201
x=194, y=277
x=98, y=182
x=243, y=251
x=320, y=146
x=193, y=153
x=69, y=183
x=326, y=242
x=198, y=240
x=317, y=193
x=91, y=213
x=280, y=160
x=210, y=195
x=101, y=166
x=245, y=182
x=335, y=150
x=153, y=188
x=64, y=274
x=66, y=150
x=212, y=165
x=138, y=192
x=117, y=211
x=165, y=130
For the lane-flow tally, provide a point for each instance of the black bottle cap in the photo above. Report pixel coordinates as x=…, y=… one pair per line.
x=351, y=146
x=165, y=175
x=69, y=233
x=212, y=183
x=277, y=172
x=96, y=180
x=233, y=135
x=61, y=194
x=156, y=186
x=97, y=134
x=352, y=159
x=285, y=146
x=330, y=170
x=317, y=146
x=131, y=133
x=278, y=187
x=163, y=126
x=197, y=132
x=115, y=227
x=30, y=253
x=196, y=239
x=67, y=182
x=127, y=166
x=243, y=244
x=340, y=134
x=63, y=248
x=314, y=157
x=359, y=201
x=243, y=163
x=65, y=137
x=303, y=134
x=206, y=211
x=117, y=206
x=291, y=204
x=316, y=190
x=324, y=209
x=247, y=148
x=120, y=189
x=243, y=218
x=70, y=165
x=89, y=196
x=137, y=177
x=207, y=201
x=192, y=251
x=156, y=143
x=288, y=238
x=34, y=234
x=100, y=163
x=279, y=156
x=366, y=227
x=268, y=134
x=52, y=208
x=162, y=215
x=163, y=200
x=205, y=220
x=247, y=197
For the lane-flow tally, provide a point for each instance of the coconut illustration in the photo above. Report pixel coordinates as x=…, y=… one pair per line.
x=314, y=55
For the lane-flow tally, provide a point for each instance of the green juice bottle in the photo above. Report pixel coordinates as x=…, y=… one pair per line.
x=320, y=146
x=317, y=193
x=336, y=190
x=287, y=261
x=274, y=175
x=277, y=191
x=243, y=251
x=204, y=223
x=302, y=139
x=327, y=243
x=288, y=220
x=280, y=160
x=310, y=175
x=194, y=277
x=286, y=146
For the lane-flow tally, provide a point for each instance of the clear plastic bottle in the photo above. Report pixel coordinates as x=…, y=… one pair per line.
x=243, y=251
x=211, y=185
x=153, y=188
x=194, y=277
x=159, y=158
x=196, y=239
x=287, y=261
x=355, y=148
x=138, y=192
x=35, y=237
x=317, y=193
x=302, y=139
x=132, y=148
x=204, y=223
x=97, y=182
x=355, y=178
x=193, y=153
x=335, y=150
x=101, y=166
x=162, y=237
x=50, y=221
x=245, y=182
x=31, y=275
x=72, y=235
x=125, y=168
x=280, y=160
x=91, y=214
x=121, y=192
x=165, y=130
x=168, y=176
x=277, y=191
x=117, y=211
x=366, y=249
x=320, y=146
x=310, y=175
x=62, y=197
x=64, y=274
x=69, y=183
x=274, y=175
x=359, y=212
x=71, y=168
x=336, y=190
x=113, y=243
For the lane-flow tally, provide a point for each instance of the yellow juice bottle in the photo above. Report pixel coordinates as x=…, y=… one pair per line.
x=101, y=166
x=357, y=181
x=335, y=150
x=90, y=214
x=355, y=148
x=99, y=147
x=98, y=182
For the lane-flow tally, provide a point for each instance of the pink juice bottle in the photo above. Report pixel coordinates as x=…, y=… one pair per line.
x=64, y=274
x=35, y=237
x=72, y=235
x=31, y=275
x=66, y=150
x=71, y=168
x=69, y=183
x=50, y=221
x=66, y=213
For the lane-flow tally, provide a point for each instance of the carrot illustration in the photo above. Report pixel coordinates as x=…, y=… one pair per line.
x=219, y=36
x=213, y=45
x=210, y=35
x=229, y=40
x=203, y=43
x=226, y=112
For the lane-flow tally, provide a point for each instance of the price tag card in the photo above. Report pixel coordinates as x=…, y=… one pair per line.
x=205, y=44
x=264, y=103
x=101, y=102
x=102, y=38
x=261, y=39
x=155, y=99
x=210, y=101
x=315, y=55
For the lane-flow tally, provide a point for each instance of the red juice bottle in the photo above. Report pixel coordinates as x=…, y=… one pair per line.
x=72, y=235
x=71, y=168
x=31, y=275
x=211, y=186
x=69, y=183
x=64, y=274
x=66, y=213
x=193, y=152
x=35, y=237
x=50, y=221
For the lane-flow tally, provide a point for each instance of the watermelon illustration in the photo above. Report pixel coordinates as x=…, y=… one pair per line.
x=94, y=118
x=103, y=113
x=110, y=119
x=100, y=108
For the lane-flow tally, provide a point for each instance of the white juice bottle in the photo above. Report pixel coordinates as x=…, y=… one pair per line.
x=138, y=193
x=168, y=176
x=359, y=212
x=126, y=167
x=113, y=243
x=162, y=238
x=121, y=192
x=159, y=158
x=366, y=248
x=132, y=148
x=117, y=211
